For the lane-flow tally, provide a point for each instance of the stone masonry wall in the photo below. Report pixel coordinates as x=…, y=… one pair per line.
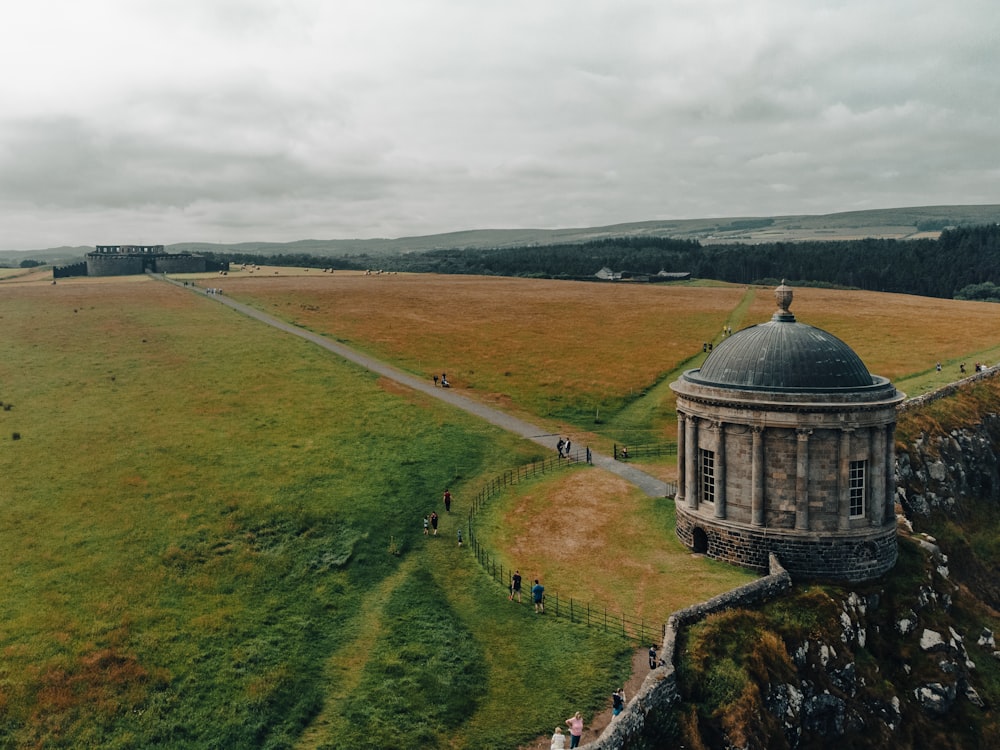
x=115, y=265
x=180, y=264
x=659, y=690
x=860, y=555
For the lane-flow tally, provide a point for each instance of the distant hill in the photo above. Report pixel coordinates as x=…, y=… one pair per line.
x=889, y=223
x=51, y=256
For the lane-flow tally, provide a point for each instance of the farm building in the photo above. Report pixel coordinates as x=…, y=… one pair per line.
x=786, y=446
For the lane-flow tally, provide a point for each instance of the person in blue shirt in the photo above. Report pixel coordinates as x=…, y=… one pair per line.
x=538, y=596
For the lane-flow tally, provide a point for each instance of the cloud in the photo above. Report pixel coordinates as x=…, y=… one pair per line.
x=230, y=120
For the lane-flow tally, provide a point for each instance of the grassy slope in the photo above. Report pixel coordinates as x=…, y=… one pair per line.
x=197, y=508
x=551, y=527
x=207, y=562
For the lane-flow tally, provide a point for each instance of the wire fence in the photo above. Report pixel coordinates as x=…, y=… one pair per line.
x=527, y=471
x=585, y=613
x=626, y=452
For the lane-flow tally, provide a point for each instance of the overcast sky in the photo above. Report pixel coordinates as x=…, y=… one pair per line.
x=162, y=121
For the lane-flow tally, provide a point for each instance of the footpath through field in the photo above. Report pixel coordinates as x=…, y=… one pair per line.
x=652, y=486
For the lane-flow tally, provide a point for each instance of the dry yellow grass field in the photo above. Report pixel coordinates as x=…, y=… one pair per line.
x=552, y=532
x=489, y=332
x=565, y=352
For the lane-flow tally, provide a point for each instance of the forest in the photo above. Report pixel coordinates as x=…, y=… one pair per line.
x=963, y=263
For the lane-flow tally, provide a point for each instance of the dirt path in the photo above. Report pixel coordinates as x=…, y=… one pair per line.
x=592, y=729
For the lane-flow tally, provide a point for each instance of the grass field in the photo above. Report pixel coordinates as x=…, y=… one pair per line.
x=213, y=532
x=597, y=359
x=563, y=352
x=558, y=527
x=198, y=510
x=213, y=539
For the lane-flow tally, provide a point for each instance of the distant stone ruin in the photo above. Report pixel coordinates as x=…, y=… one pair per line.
x=134, y=260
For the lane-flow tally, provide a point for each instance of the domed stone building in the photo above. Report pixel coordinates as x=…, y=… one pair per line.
x=786, y=446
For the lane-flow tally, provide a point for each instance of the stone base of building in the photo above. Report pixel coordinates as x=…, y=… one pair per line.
x=854, y=556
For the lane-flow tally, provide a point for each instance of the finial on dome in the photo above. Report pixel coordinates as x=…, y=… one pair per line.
x=783, y=296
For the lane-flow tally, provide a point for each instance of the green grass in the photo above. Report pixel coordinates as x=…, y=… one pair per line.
x=427, y=666
x=212, y=538
x=197, y=509
x=555, y=352
x=930, y=379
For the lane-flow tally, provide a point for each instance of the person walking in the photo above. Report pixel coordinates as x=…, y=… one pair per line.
x=515, y=586
x=459, y=536
x=558, y=741
x=434, y=522
x=447, y=501
x=427, y=523
x=575, y=724
x=538, y=596
x=617, y=701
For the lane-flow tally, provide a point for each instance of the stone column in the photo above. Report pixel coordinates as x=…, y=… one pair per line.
x=876, y=460
x=802, y=479
x=844, y=493
x=681, y=458
x=720, y=471
x=757, y=477
x=690, y=463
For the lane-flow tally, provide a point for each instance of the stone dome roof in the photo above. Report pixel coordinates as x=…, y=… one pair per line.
x=784, y=355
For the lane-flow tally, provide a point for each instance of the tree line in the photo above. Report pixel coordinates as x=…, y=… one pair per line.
x=964, y=262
